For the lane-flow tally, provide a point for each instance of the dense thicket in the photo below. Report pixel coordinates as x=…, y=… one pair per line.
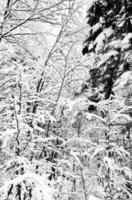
x=39, y=53
x=59, y=139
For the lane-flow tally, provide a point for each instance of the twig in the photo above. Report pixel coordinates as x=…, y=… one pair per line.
x=18, y=128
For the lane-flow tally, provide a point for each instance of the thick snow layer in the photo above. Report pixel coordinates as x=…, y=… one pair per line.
x=92, y=197
x=108, y=32
x=40, y=188
x=122, y=81
x=102, y=38
x=91, y=46
x=127, y=38
x=126, y=43
x=106, y=56
x=116, y=44
x=96, y=27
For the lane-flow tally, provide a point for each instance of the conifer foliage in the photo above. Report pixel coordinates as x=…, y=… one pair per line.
x=110, y=39
x=108, y=45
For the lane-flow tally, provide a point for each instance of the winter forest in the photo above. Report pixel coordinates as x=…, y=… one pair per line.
x=65, y=99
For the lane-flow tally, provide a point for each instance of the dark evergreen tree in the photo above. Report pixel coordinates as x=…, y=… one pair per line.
x=109, y=45
x=110, y=38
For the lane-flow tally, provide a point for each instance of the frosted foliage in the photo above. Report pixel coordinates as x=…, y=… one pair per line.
x=65, y=110
x=102, y=38
x=30, y=185
x=108, y=86
x=116, y=44
x=126, y=43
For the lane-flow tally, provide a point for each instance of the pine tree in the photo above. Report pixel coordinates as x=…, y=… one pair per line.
x=108, y=45
x=110, y=38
